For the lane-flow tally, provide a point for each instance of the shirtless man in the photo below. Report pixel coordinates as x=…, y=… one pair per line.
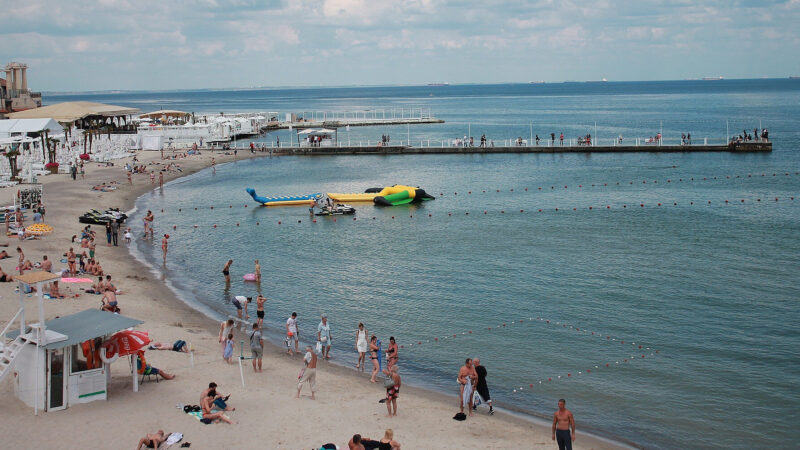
x=47, y=265
x=227, y=271
x=109, y=301
x=152, y=440
x=260, y=300
x=465, y=375
x=258, y=271
x=208, y=403
x=562, y=422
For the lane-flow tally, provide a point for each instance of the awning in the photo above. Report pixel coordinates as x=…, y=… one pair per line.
x=165, y=113
x=85, y=325
x=10, y=126
x=68, y=112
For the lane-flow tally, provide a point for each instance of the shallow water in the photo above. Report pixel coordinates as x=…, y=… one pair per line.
x=709, y=286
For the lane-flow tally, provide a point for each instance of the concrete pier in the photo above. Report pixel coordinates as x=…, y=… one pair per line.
x=748, y=147
x=338, y=124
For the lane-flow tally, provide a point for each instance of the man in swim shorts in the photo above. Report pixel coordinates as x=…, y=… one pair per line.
x=562, y=422
x=240, y=302
x=260, y=300
x=109, y=301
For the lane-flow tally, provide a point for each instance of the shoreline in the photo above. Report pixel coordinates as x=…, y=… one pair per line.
x=505, y=429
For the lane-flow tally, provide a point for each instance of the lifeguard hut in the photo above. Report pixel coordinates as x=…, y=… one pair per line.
x=57, y=363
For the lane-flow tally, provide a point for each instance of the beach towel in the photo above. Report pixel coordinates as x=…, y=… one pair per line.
x=467, y=395
x=76, y=280
x=173, y=439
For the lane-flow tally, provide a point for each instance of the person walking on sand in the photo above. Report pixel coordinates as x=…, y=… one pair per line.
x=256, y=347
x=161, y=179
x=324, y=336
x=392, y=389
x=480, y=386
x=227, y=353
x=115, y=232
x=292, y=334
x=260, y=300
x=257, y=271
x=373, y=356
x=225, y=327
x=227, y=271
x=361, y=346
x=562, y=422
x=308, y=373
x=164, y=245
x=465, y=384
x=152, y=178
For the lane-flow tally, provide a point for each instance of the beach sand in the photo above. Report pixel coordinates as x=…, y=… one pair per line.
x=268, y=413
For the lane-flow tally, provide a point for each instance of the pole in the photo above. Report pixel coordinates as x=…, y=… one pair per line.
x=530, y=143
x=133, y=371
x=727, y=132
x=241, y=357
x=408, y=134
x=661, y=132
x=595, y=135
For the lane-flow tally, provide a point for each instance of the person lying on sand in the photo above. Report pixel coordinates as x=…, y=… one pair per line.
x=4, y=254
x=4, y=277
x=178, y=346
x=152, y=440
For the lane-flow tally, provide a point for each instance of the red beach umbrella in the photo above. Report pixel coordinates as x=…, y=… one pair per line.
x=123, y=343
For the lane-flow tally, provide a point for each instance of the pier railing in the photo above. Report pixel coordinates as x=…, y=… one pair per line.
x=509, y=142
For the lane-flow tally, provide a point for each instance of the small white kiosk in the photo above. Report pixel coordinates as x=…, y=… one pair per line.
x=56, y=363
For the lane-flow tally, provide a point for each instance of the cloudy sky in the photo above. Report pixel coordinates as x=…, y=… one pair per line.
x=81, y=45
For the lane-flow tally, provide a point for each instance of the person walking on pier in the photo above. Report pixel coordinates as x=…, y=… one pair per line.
x=553, y=138
x=537, y=140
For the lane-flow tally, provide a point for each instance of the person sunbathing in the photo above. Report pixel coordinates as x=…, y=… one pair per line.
x=178, y=346
x=208, y=403
x=27, y=265
x=4, y=254
x=146, y=369
x=4, y=277
x=97, y=269
x=152, y=440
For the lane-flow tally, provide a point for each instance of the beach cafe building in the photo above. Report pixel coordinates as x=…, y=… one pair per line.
x=58, y=364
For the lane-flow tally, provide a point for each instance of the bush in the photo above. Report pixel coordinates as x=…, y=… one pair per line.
x=52, y=165
x=84, y=156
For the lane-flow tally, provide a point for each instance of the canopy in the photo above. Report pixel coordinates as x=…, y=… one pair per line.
x=317, y=131
x=164, y=113
x=68, y=112
x=126, y=342
x=7, y=127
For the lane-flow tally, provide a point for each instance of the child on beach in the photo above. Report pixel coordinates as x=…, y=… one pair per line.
x=128, y=236
x=228, y=352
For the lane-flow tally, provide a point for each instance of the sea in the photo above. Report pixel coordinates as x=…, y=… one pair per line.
x=656, y=292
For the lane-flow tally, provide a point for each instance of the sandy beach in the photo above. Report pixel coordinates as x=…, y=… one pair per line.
x=268, y=413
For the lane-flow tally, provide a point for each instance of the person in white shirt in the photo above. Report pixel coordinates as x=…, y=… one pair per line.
x=292, y=334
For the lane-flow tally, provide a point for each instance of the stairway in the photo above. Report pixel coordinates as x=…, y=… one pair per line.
x=8, y=354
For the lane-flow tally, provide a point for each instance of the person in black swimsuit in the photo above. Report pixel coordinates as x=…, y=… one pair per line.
x=152, y=440
x=373, y=355
x=226, y=271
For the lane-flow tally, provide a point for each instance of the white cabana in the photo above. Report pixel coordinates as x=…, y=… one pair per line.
x=11, y=127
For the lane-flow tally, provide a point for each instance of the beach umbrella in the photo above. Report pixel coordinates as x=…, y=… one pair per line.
x=39, y=229
x=124, y=343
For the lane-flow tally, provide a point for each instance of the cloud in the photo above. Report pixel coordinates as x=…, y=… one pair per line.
x=207, y=42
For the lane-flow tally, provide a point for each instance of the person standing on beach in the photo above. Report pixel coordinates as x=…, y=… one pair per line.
x=391, y=354
x=465, y=382
x=256, y=347
x=392, y=390
x=562, y=422
x=115, y=232
x=73, y=170
x=164, y=245
x=308, y=373
x=481, y=387
x=152, y=178
x=161, y=179
x=227, y=271
x=292, y=334
x=257, y=271
x=225, y=327
x=148, y=223
x=260, y=300
x=324, y=336
x=227, y=351
x=70, y=260
x=108, y=233
x=361, y=346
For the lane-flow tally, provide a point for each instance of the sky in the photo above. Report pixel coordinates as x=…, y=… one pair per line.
x=79, y=45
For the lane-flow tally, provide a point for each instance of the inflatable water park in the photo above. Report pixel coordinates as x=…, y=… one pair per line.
x=386, y=196
x=284, y=201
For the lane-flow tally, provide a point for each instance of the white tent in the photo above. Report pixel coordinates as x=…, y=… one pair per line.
x=24, y=126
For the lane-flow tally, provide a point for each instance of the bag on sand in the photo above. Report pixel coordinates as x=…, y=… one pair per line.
x=460, y=416
x=476, y=399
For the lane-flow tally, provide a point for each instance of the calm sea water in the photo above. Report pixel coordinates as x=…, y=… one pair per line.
x=712, y=287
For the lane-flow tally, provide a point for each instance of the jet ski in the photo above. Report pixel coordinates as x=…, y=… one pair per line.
x=338, y=210
x=101, y=218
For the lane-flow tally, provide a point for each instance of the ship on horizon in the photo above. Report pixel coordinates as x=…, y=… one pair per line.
x=439, y=84
x=712, y=78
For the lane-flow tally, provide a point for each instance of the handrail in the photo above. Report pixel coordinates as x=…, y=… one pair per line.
x=5, y=330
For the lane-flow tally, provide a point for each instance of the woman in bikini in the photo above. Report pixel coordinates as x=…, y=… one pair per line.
x=391, y=354
x=373, y=355
x=71, y=261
